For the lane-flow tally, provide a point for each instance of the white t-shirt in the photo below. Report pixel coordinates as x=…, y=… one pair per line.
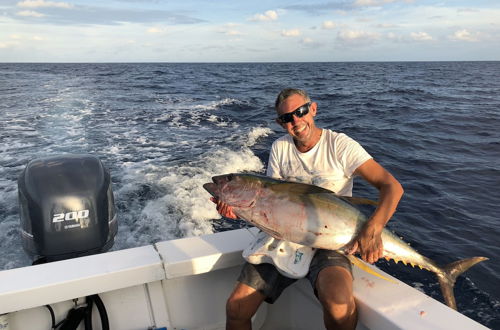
x=329, y=164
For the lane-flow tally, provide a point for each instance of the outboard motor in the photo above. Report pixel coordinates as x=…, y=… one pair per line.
x=66, y=207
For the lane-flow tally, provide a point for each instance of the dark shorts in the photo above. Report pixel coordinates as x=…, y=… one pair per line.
x=266, y=279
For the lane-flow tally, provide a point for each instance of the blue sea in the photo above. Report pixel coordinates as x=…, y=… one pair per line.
x=164, y=129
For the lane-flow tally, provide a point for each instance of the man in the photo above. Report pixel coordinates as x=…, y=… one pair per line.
x=328, y=159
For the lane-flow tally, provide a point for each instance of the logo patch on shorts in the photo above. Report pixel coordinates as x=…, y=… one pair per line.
x=298, y=256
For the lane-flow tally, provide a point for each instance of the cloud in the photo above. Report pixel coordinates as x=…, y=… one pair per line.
x=464, y=35
x=316, y=9
x=230, y=29
x=9, y=44
x=270, y=15
x=357, y=36
x=91, y=15
x=368, y=3
x=290, y=33
x=310, y=43
x=409, y=38
x=233, y=33
x=230, y=32
x=468, y=10
x=402, y=38
x=42, y=3
x=393, y=36
x=157, y=30
x=420, y=36
x=364, y=3
x=29, y=13
x=328, y=25
x=386, y=26
x=231, y=25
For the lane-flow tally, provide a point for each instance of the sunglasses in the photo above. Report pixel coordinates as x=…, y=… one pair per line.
x=299, y=112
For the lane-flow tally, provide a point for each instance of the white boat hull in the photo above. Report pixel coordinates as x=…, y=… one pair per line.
x=184, y=283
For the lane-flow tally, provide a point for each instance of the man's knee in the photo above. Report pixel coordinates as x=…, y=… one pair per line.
x=243, y=303
x=334, y=287
x=339, y=311
x=236, y=310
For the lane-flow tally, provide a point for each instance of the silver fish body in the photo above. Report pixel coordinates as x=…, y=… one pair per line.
x=316, y=217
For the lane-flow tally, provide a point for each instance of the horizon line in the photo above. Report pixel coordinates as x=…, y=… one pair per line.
x=240, y=62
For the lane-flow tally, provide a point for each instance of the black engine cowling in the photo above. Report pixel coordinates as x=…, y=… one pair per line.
x=66, y=207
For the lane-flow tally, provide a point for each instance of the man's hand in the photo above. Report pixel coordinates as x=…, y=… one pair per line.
x=368, y=243
x=224, y=209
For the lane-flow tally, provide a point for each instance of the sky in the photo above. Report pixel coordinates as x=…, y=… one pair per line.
x=248, y=31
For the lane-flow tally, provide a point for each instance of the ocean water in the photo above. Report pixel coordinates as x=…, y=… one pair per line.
x=164, y=129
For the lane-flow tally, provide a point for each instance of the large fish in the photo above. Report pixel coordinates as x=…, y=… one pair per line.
x=316, y=217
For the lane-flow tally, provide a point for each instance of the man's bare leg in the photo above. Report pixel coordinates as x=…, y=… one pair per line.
x=334, y=287
x=241, y=306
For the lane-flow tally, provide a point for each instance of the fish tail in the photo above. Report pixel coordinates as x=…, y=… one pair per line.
x=449, y=274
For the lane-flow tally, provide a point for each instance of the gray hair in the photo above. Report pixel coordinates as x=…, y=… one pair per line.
x=287, y=92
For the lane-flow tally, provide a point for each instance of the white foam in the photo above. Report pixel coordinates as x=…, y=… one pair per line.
x=115, y=149
x=216, y=104
x=213, y=118
x=19, y=128
x=184, y=207
x=257, y=133
x=12, y=256
x=188, y=115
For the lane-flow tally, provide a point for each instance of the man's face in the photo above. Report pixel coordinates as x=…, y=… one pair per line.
x=301, y=129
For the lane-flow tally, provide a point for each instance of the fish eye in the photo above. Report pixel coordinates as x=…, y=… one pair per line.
x=230, y=177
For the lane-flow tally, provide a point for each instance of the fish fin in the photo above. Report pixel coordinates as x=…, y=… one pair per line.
x=271, y=232
x=358, y=200
x=361, y=265
x=449, y=275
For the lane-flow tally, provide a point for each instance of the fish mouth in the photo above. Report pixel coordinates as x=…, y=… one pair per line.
x=212, y=188
x=219, y=182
